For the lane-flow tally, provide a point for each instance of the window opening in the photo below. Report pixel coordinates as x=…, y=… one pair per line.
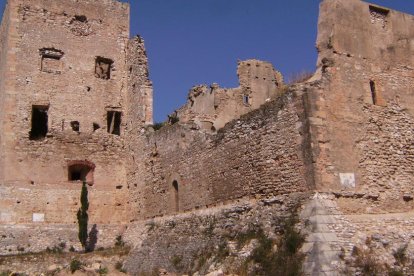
x=81, y=171
x=114, y=122
x=51, y=60
x=373, y=92
x=246, y=100
x=75, y=125
x=378, y=15
x=39, y=122
x=176, y=196
x=81, y=18
x=103, y=68
x=96, y=126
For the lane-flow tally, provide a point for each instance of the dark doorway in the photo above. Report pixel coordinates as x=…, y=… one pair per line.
x=176, y=196
x=39, y=122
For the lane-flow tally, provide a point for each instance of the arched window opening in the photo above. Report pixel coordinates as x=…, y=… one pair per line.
x=81, y=171
x=176, y=196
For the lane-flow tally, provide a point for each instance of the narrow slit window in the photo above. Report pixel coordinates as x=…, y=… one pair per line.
x=39, y=122
x=114, y=122
x=246, y=100
x=176, y=196
x=373, y=92
x=103, y=68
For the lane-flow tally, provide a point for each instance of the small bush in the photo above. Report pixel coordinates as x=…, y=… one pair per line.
x=177, y=261
x=54, y=250
x=62, y=245
x=394, y=272
x=400, y=254
x=286, y=260
x=299, y=77
x=365, y=261
x=5, y=273
x=151, y=226
x=75, y=265
x=245, y=237
x=119, y=242
x=72, y=249
x=222, y=251
x=119, y=267
x=102, y=271
x=158, y=126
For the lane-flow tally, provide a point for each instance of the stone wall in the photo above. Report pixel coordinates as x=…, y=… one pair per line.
x=25, y=238
x=347, y=244
x=4, y=30
x=362, y=112
x=262, y=153
x=68, y=58
x=207, y=241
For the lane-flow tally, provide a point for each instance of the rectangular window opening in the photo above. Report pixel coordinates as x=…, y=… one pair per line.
x=103, y=68
x=51, y=60
x=379, y=10
x=378, y=16
x=114, y=122
x=75, y=126
x=246, y=100
x=39, y=122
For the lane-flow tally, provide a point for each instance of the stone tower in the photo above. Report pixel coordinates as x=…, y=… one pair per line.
x=65, y=112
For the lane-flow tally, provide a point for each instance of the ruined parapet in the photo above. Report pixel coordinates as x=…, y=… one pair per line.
x=211, y=107
x=139, y=85
x=259, y=77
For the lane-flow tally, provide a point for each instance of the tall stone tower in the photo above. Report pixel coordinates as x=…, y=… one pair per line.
x=66, y=108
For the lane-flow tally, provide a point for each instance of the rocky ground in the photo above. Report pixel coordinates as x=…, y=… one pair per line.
x=103, y=262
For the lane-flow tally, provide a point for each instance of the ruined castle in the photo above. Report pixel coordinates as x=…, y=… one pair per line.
x=76, y=105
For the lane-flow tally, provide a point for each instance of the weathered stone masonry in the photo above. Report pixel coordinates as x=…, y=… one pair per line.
x=76, y=102
x=65, y=114
x=260, y=154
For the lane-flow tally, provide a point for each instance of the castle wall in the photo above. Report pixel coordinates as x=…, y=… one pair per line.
x=362, y=114
x=36, y=172
x=261, y=154
x=4, y=29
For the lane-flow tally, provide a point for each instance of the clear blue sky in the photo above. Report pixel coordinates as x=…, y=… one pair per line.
x=192, y=42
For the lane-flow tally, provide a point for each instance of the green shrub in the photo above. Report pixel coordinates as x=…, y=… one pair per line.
x=54, y=250
x=75, y=265
x=158, y=126
x=394, y=272
x=119, y=267
x=365, y=261
x=286, y=260
x=119, y=242
x=400, y=254
x=176, y=261
x=103, y=271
